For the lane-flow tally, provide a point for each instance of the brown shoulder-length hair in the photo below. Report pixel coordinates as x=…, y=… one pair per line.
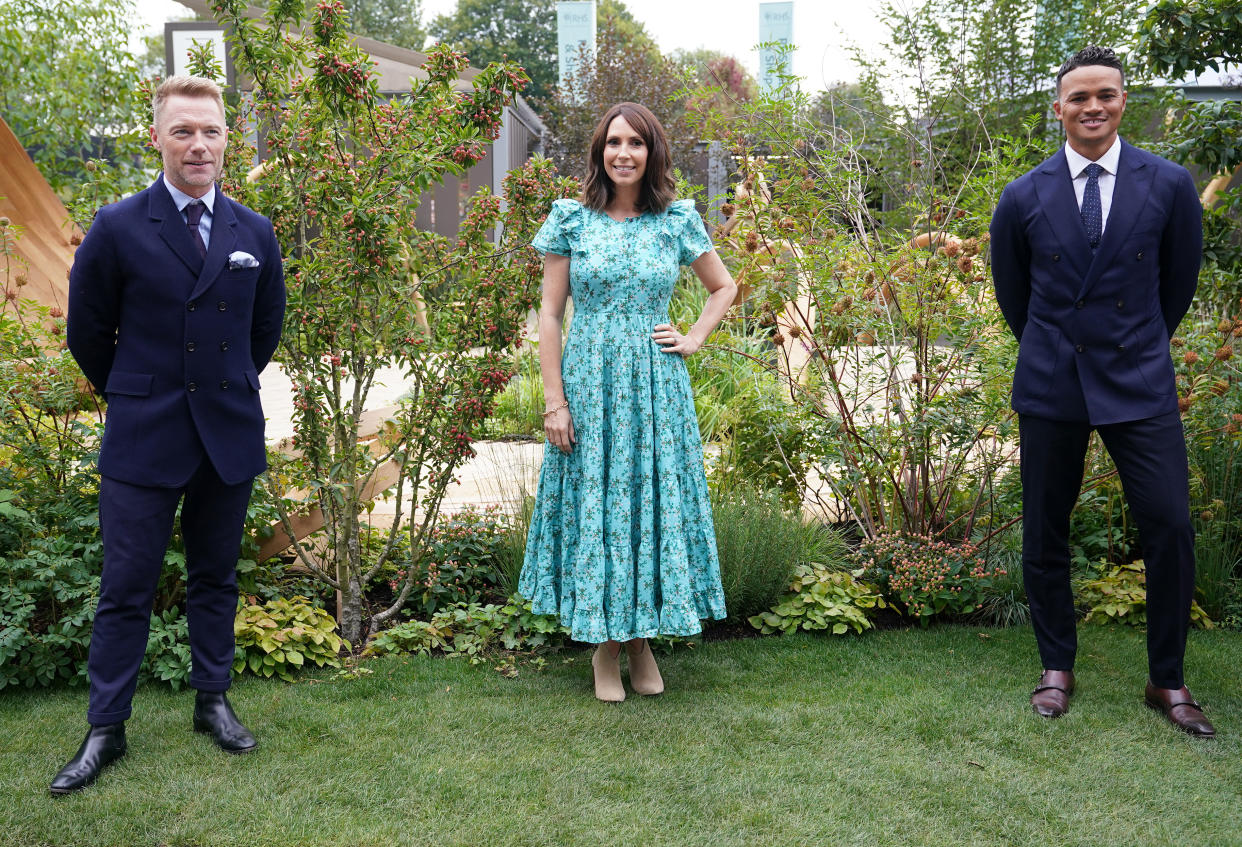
x=658, y=189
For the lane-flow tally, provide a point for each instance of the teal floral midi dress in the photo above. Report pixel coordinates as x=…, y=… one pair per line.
x=621, y=542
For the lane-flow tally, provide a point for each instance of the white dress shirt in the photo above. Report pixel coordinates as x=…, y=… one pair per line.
x=1078, y=172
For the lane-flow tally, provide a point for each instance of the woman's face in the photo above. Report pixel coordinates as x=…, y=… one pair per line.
x=625, y=154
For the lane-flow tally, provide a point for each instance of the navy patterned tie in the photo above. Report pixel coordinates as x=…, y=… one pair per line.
x=1092, y=212
x=194, y=213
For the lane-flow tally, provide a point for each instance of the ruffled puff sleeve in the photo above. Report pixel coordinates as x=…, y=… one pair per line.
x=686, y=228
x=559, y=233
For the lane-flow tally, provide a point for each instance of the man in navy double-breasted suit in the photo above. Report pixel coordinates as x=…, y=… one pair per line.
x=1095, y=257
x=176, y=300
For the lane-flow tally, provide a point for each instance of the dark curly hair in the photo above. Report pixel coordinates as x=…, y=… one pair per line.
x=1092, y=55
x=658, y=189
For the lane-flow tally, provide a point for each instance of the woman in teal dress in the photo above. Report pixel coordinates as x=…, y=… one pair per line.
x=621, y=544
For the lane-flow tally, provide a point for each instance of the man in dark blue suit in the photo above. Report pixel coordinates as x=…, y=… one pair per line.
x=176, y=300
x=1095, y=258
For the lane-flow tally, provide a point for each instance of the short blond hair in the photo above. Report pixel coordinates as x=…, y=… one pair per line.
x=185, y=86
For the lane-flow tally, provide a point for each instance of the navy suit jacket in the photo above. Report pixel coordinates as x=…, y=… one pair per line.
x=175, y=342
x=1094, y=328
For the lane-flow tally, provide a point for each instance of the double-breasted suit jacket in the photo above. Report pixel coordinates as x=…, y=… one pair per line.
x=1094, y=327
x=174, y=341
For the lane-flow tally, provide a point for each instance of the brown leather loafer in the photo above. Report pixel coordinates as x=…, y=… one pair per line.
x=1050, y=699
x=1180, y=708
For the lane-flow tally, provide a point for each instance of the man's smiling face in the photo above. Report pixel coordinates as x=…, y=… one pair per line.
x=1090, y=105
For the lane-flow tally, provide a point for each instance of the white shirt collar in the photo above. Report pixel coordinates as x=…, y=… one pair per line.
x=1109, y=161
x=181, y=199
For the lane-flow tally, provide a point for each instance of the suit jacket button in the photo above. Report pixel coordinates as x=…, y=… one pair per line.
x=191, y=306
x=193, y=386
x=1121, y=304
x=1138, y=257
x=1056, y=257
x=1121, y=348
x=224, y=346
x=189, y=347
x=222, y=306
x=1080, y=304
x=224, y=383
x=1080, y=348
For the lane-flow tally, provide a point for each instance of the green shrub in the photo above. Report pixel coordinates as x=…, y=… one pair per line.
x=282, y=635
x=1004, y=600
x=765, y=442
x=822, y=598
x=761, y=542
x=472, y=630
x=47, y=602
x=928, y=578
x=50, y=554
x=168, y=649
x=1120, y=595
x=738, y=401
x=461, y=562
x=1231, y=617
x=1100, y=527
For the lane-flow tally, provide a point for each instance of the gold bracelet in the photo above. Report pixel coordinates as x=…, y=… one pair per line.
x=555, y=409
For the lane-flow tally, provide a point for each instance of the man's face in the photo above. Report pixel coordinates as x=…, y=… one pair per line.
x=1090, y=106
x=191, y=136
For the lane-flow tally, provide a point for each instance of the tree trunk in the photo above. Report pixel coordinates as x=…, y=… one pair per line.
x=349, y=604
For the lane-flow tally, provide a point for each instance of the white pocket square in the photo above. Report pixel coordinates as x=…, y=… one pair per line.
x=240, y=259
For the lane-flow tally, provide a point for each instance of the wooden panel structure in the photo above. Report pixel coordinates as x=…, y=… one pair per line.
x=45, y=245
x=305, y=523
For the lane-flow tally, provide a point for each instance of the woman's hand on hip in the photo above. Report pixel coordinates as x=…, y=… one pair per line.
x=672, y=341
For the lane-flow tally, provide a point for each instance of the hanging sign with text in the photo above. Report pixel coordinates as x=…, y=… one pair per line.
x=775, y=30
x=575, y=32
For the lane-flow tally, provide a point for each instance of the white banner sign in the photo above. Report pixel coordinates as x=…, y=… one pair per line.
x=575, y=31
x=775, y=27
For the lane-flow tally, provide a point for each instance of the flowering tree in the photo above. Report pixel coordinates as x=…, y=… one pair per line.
x=344, y=175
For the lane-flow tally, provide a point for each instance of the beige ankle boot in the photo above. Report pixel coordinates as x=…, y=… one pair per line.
x=644, y=674
x=607, y=666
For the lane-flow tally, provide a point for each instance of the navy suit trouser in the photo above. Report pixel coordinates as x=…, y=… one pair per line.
x=136, y=523
x=1150, y=456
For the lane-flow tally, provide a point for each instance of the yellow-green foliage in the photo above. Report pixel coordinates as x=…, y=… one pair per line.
x=284, y=634
x=1121, y=595
x=821, y=598
x=472, y=630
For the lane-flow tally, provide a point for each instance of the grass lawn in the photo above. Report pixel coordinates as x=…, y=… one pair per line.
x=894, y=738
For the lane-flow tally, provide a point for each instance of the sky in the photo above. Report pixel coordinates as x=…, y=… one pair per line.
x=822, y=29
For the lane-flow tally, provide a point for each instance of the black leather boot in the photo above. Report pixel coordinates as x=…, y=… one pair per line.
x=102, y=746
x=213, y=714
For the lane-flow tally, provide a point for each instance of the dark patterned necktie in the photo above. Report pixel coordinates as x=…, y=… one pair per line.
x=194, y=213
x=1092, y=211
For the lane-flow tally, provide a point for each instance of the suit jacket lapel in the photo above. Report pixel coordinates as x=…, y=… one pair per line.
x=160, y=207
x=223, y=242
x=1130, y=193
x=1060, y=207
